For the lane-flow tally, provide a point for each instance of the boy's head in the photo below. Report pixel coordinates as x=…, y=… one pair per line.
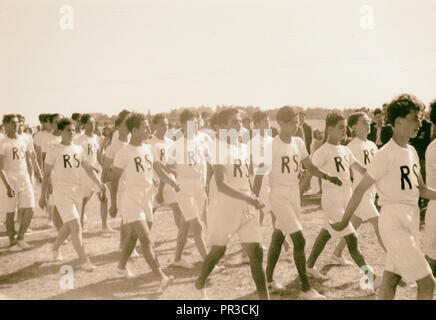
x=67, y=127
x=88, y=122
x=261, y=120
x=287, y=118
x=378, y=116
x=360, y=123
x=404, y=113
x=230, y=118
x=160, y=124
x=189, y=117
x=335, y=127
x=317, y=134
x=138, y=126
x=11, y=123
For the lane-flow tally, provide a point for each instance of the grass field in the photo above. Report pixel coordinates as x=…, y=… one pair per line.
x=29, y=274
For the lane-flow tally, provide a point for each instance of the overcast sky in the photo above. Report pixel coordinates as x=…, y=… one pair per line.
x=164, y=54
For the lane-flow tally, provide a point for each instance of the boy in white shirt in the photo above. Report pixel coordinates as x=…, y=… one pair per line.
x=15, y=153
x=287, y=153
x=396, y=173
x=66, y=160
x=337, y=159
x=232, y=207
x=134, y=164
x=90, y=144
x=364, y=150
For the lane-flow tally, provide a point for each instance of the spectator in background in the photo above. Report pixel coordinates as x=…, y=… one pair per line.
x=274, y=132
x=2, y=129
x=307, y=130
x=381, y=132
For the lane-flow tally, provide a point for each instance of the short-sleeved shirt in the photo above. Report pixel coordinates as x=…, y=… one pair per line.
x=189, y=157
x=67, y=164
x=335, y=160
x=160, y=146
x=39, y=137
x=285, y=162
x=364, y=152
x=236, y=162
x=114, y=148
x=395, y=170
x=137, y=165
x=91, y=146
x=48, y=141
x=14, y=153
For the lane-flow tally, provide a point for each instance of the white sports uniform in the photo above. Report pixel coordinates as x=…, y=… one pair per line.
x=39, y=137
x=111, y=152
x=227, y=215
x=189, y=157
x=136, y=198
x=430, y=215
x=160, y=148
x=285, y=165
x=90, y=145
x=46, y=144
x=15, y=165
x=335, y=160
x=67, y=182
x=258, y=155
x=364, y=152
x=395, y=170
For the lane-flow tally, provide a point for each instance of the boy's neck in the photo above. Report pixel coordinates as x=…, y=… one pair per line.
x=286, y=138
x=401, y=140
x=89, y=133
x=12, y=135
x=135, y=141
x=333, y=142
x=362, y=137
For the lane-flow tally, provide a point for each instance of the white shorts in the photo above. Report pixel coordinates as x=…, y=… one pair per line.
x=399, y=228
x=367, y=209
x=135, y=203
x=430, y=230
x=169, y=194
x=191, y=197
x=285, y=205
x=88, y=186
x=334, y=201
x=24, y=194
x=68, y=201
x=227, y=216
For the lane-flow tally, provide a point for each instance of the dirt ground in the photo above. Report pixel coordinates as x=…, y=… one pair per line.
x=29, y=274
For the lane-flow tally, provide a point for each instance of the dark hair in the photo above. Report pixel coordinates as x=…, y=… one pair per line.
x=377, y=111
x=187, y=114
x=225, y=115
x=259, y=116
x=158, y=117
x=433, y=111
x=64, y=122
x=8, y=117
x=286, y=113
x=42, y=117
x=354, y=118
x=85, y=118
x=134, y=121
x=401, y=106
x=332, y=119
x=122, y=115
x=21, y=117
x=52, y=116
x=75, y=116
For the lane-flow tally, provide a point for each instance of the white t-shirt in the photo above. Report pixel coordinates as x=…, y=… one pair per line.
x=48, y=141
x=160, y=146
x=114, y=148
x=336, y=161
x=116, y=136
x=236, y=164
x=67, y=164
x=286, y=161
x=364, y=152
x=395, y=170
x=137, y=165
x=261, y=153
x=39, y=137
x=189, y=157
x=430, y=165
x=91, y=146
x=14, y=153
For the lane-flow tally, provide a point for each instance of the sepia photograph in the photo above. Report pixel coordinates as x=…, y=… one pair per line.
x=229, y=150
